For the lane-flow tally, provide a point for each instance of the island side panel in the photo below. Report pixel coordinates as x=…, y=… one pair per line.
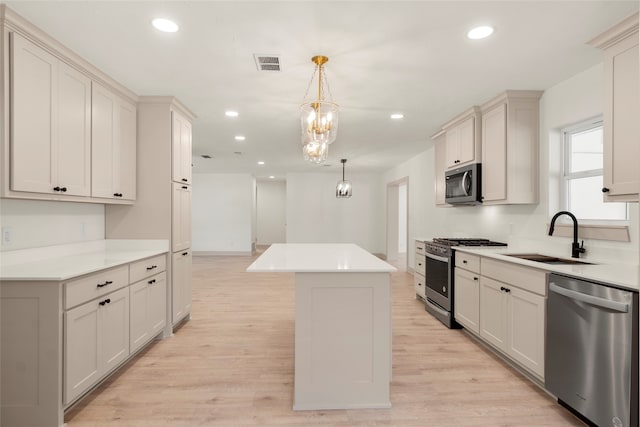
x=31, y=354
x=342, y=341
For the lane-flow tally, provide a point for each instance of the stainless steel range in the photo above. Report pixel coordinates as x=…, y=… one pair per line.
x=439, y=286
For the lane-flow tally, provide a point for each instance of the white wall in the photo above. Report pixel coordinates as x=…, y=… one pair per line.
x=271, y=212
x=402, y=218
x=34, y=223
x=314, y=214
x=573, y=100
x=223, y=213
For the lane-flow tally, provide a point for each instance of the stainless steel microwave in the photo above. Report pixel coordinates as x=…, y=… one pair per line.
x=463, y=185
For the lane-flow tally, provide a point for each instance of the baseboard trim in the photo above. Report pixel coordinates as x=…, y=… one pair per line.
x=222, y=253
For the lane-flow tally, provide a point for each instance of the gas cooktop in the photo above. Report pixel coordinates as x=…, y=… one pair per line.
x=466, y=242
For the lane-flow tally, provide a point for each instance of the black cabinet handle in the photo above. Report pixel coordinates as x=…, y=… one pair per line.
x=605, y=190
x=185, y=180
x=185, y=253
x=107, y=301
x=184, y=187
x=507, y=290
x=151, y=282
x=102, y=285
x=117, y=194
x=56, y=188
x=152, y=267
x=63, y=189
x=475, y=278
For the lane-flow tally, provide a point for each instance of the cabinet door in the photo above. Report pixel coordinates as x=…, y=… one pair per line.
x=494, y=154
x=493, y=313
x=103, y=112
x=181, y=285
x=467, y=299
x=125, y=174
x=467, y=141
x=526, y=320
x=114, y=329
x=139, y=307
x=34, y=77
x=181, y=149
x=621, y=124
x=157, y=303
x=181, y=217
x=74, y=125
x=82, y=349
x=452, y=141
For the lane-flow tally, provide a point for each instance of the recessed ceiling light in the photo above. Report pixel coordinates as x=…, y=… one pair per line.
x=480, y=32
x=239, y=138
x=397, y=116
x=261, y=163
x=165, y=25
x=230, y=113
x=271, y=177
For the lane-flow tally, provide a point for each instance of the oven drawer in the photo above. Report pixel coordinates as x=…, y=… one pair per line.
x=468, y=261
x=419, y=247
x=419, y=267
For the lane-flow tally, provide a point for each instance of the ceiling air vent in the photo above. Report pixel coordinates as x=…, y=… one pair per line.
x=267, y=62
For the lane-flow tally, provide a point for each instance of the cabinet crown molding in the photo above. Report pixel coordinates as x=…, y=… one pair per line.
x=625, y=28
x=471, y=112
x=511, y=95
x=172, y=101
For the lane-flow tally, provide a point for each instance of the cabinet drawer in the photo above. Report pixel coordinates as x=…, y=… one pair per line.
x=526, y=278
x=148, y=267
x=89, y=287
x=419, y=244
x=418, y=285
x=419, y=267
x=468, y=261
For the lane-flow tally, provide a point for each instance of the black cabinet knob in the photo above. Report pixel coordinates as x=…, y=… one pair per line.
x=151, y=282
x=464, y=261
x=56, y=188
x=185, y=180
x=605, y=190
x=475, y=278
x=63, y=189
x=185, y=253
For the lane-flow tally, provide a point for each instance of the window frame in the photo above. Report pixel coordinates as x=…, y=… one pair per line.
x=566, y=176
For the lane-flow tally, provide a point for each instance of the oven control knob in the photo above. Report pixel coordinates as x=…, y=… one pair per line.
x=444, y=289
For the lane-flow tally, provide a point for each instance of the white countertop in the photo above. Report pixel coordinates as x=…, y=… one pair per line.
x=62, y=262
x=622, y=275
x=319, y=258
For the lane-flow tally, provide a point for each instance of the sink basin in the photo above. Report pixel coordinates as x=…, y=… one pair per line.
x=547, y=259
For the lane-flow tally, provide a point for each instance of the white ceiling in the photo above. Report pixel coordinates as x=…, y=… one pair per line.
x=385, y=56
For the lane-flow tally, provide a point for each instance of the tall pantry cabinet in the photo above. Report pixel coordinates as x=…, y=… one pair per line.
x=163, y=206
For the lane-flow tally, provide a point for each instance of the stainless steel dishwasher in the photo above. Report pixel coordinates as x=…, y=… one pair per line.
x=591, y=356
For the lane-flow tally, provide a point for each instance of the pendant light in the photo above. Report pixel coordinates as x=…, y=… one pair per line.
x=343, y=189
x=319, y=117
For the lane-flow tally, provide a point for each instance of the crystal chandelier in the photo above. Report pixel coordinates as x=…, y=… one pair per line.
x=343, y=189
x=319, y=117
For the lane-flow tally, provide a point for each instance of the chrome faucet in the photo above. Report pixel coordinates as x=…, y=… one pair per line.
x=576, y=249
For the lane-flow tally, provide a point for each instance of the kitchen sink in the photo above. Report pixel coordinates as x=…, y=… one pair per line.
x=547, y=259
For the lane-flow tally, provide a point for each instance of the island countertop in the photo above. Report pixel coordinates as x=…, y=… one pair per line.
x=319, y=258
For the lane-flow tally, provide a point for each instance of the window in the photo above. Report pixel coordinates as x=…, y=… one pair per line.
x=582, y=177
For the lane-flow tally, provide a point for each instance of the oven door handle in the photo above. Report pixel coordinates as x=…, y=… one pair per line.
x=436, y=308
x=437, y=258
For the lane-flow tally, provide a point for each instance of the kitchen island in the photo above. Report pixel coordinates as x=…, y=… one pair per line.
x=342, y=323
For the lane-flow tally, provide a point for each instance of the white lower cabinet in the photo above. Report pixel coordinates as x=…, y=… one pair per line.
x=148, y=302
x=513, y=321
x=96, y=341
x=466, y=299
x=181, y=285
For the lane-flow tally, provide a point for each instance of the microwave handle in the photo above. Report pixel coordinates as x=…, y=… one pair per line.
x=463, y=183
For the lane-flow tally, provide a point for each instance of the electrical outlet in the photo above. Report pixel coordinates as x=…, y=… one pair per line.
x=7, y=236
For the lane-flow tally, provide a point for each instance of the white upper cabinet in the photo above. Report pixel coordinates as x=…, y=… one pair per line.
x=463, y=139
x=181, y=148
x=113, y=146
x=621, y=110
x=50, y=123
x=440, y=148
x=510, y=144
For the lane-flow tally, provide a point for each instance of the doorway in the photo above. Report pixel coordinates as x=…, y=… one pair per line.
x=397, y=222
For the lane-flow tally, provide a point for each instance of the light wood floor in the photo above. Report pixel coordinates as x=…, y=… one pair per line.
x=232, y=365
